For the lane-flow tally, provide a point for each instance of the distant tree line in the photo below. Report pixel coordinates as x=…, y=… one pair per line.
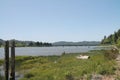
x=27, y=43
x=39, y=44
x=112, y=39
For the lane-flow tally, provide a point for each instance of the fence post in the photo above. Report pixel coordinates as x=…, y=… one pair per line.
x=6, y=60
x=12, y=74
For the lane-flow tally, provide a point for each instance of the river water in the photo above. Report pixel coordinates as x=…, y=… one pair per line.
x=46, y=51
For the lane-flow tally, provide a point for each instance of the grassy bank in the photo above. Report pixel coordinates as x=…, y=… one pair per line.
x=1, y=63
x=65, y=67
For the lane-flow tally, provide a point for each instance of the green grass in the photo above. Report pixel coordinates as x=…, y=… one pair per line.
x=1, y=78
x=1, y=62
x=65, y=67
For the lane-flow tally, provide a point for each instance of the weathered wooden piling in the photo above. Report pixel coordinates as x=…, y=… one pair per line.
x=12, y=74
x=7, y=60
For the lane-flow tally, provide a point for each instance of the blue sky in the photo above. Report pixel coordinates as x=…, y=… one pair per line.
x=58, y=20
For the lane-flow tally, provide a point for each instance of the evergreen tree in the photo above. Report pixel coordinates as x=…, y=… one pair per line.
x=115, y=37
x=31, y=44
x=37, y=44
x=112, y=39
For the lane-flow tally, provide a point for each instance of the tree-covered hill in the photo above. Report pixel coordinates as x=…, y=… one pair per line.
x=83, y=43
x=112, y=39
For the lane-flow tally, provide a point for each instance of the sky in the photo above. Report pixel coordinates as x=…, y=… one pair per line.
x=58, y=20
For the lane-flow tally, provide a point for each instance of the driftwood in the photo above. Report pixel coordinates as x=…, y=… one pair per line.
x=83, y=57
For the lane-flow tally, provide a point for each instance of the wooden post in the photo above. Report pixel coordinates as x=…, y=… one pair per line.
x=6, y=60
x=12, y=74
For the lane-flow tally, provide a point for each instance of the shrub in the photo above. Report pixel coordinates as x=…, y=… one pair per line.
x=63, y=53
x=28, y=75
x=111, y=54
x=49, y=77
x=103, y=72
x=69, y=76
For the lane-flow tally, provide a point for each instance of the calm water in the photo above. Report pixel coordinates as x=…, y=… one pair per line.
x=45, y=51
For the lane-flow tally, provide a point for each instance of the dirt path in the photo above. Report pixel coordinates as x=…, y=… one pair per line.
x=117, y=73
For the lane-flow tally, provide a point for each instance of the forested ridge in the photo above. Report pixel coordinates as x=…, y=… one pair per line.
x=112, y=39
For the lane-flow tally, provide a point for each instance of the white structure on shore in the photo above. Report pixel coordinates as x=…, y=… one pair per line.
x=82, y=57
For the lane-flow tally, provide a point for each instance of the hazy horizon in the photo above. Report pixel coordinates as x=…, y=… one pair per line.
x=63, y=20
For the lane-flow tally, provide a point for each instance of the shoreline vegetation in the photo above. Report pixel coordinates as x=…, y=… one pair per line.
x=66, y=66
